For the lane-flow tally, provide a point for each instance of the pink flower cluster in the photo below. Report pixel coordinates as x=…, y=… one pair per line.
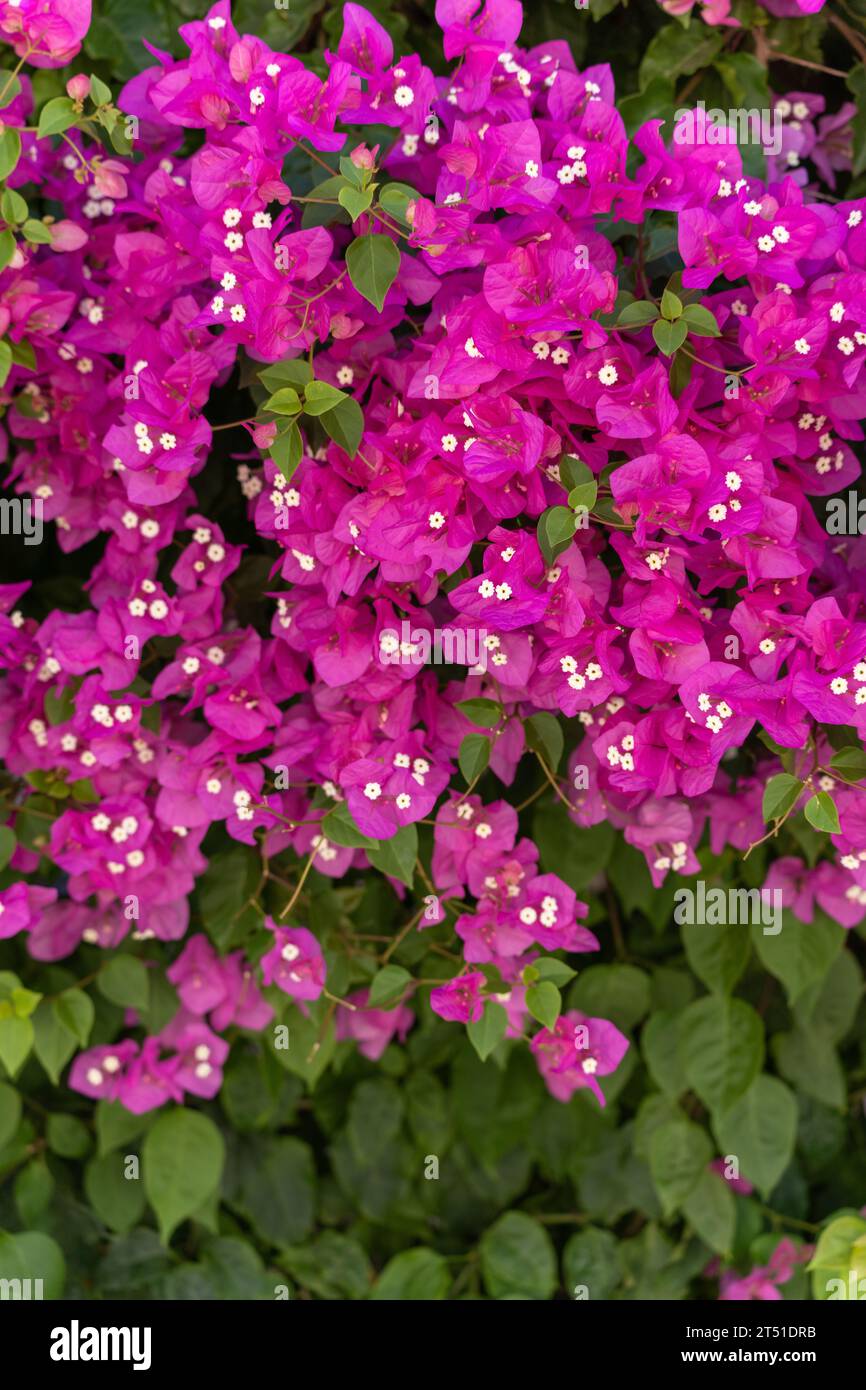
x=703, y=602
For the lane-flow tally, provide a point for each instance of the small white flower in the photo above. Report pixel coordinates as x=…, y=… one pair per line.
x=404, y=96
x=372, y=791
x=257, y=98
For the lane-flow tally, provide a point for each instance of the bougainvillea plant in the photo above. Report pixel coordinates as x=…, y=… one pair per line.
x=433, y=769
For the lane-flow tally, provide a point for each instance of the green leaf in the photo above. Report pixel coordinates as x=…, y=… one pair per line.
x=339, y=827
x=660, y=1043
x=780, y=796
x=396, y=857
x=24, y=354
x=225, y=894
x=327, y=207
x=701, y=321
x=100, y=91
x=620, y=993
x=34, y=1188
x=486, y=714
x=53, y=1042
x=115, y=1125
x=7, y=844
x=353, y=173
x=356, y=201
x=13, y=207
x=573, y=472
x=544, y=1002
x=124, y=981
x=389, y=985
x=638, y=314
x=840, y=1254
x=395, y=199
x=669, y=336
x=544, y=735
x=320, y=397
x=10, y=88
x=517, y=1258
x=672, y=305
x=849, y=764
x=30, y=1255
x=285, y=401
x=16, y=1040
x=680, y=373
x=759, y=1129
x=810, y=1062
x=277, y=1188
x=373, y=262
x=287, y=449
x=711, y=1211
x=590, y=1261
x=717, y=954
x=820, y=811
x=829, y=1005
x=10, y=151
x=553, y=969
x=413, y=1274
x=488, y=1031
x=801, y=953
x=583, y=497
x=345, y=425
x=10, y=1112
x=291, y=371
x=679, y=1154
x=473, y=756
x=722, y=1047
x=5, y=361
x=674, y=53
x=555, y=530
x=67, y=1135
x=182, y=1160
x=56, y=115
x=7, y=244
x=36, y=232
x=74, y=1009
x=117, y=1199
x=856, y=81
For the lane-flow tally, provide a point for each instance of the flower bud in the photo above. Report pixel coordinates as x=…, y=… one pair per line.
x=362, y=158
x=78, y=87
